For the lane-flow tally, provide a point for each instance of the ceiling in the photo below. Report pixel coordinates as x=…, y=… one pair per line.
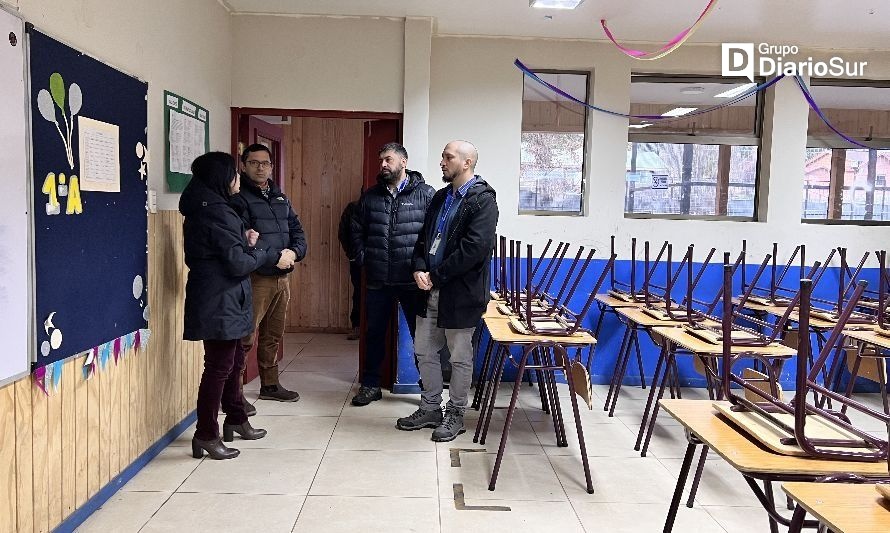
x=861, y=24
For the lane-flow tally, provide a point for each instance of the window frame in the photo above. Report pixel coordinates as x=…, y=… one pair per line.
x=756, y=139
x=582, y=209
x=835, y=142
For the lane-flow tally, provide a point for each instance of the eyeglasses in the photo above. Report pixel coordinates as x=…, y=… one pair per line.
x=259, y=164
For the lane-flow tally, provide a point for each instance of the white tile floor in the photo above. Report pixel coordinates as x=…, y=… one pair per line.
x=327, y=466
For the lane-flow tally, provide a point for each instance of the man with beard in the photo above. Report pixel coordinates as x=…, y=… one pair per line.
x=385, y=226
x=451, y=262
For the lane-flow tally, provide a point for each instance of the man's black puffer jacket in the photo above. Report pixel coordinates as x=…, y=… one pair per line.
x=385, y=229
x=274, y=219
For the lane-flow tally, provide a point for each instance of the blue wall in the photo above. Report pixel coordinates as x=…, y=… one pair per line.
x=612, y=330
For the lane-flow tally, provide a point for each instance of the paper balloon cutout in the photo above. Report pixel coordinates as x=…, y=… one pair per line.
x=55, y=340
x=137, y=286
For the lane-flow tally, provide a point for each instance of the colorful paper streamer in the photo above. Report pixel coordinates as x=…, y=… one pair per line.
x=528, y=72
x=672, y=45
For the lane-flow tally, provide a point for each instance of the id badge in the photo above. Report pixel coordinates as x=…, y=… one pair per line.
x=436, y=243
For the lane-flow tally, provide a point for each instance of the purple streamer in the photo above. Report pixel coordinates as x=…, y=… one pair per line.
x=815, y=107
x=702, y=111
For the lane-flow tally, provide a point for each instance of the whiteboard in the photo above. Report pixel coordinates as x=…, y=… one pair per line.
x=15, y=293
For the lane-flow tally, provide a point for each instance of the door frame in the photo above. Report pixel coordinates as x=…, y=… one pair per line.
x=238, y=113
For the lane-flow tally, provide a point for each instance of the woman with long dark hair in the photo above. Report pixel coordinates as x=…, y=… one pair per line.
x=220, y=256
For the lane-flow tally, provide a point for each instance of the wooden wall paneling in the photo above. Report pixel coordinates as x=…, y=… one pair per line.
x=54, y=453
x=23, y=456
x=81, y=435
x=39, y=458
x=68, y=436
x=104, y=457
x=298, y=314
x=93, y=430
x=7, y=459
x=114, y=457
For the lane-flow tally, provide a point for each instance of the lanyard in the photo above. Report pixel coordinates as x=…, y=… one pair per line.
x=449, y=201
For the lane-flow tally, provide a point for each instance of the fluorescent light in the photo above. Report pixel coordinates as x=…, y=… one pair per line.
x=638, y=126
x=555, y=4
x=678, y=111
x=735, y=91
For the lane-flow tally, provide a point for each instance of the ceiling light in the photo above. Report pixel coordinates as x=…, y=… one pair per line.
x=638, y=126
x=735, y=91
x=692, y=90
x=678, y=111
x=555, y=4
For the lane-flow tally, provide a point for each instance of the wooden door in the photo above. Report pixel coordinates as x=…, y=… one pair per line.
x=322, y=173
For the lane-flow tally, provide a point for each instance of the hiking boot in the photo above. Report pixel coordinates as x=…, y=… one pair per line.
x=366, y=395
x=452, y=425
x=420, y=419
x=249, y=409
x=279, y=393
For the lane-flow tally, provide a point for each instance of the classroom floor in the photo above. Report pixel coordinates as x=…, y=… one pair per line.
x=328, y=466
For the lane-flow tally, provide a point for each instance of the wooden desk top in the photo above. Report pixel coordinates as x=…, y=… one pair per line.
x=501, y=332
x=611, y=301
x=746, y=456
x=688, y=341
x=844, y=507
x=778, y=311
x=492, y=311
x=640, y=317
x=871, y=337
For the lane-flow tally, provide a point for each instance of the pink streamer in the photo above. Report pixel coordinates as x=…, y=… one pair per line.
x=673, y=43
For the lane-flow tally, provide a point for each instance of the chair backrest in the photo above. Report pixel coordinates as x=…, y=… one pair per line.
x=851, y=443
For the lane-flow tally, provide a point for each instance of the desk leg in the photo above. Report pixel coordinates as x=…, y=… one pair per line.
x=536, y=359
x=510, y=409
x=681, y=484
x=584, y=461
x=697, y=478
x=617, y=366
x=640, y=362
x=768, y=492
x=483, y=375
x=854, y=373
x=652, y=391
x=491, y=394
x=669, y=360
x=548, y=387
x=623, y=371
x=797, y=520
x=599, y=321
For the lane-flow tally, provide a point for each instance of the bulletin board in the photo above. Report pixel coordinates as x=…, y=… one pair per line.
x=187, y=135
x=15, y=286
x=89, y=160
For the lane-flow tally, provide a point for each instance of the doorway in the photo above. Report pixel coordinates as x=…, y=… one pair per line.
x=323, y=160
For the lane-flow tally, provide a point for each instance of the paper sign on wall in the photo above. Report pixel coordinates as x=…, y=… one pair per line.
x=100, y=167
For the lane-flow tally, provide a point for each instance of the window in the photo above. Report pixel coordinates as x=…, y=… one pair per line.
x=842, y=182
x=690, y=167
x=553, y=141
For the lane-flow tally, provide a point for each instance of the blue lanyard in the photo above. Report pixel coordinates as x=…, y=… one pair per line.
x=449, y=201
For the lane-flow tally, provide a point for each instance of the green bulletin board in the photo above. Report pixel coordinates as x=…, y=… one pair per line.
x=187, y=133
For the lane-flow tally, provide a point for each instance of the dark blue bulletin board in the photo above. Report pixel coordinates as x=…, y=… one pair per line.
x=89, y=124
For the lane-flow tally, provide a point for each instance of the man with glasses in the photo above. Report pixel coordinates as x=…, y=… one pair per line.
x=266, y=210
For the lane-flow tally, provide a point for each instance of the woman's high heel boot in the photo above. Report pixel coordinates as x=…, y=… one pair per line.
x=214, y=448
x=246, y=431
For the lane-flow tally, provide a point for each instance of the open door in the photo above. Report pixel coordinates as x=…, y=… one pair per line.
x=378, y=133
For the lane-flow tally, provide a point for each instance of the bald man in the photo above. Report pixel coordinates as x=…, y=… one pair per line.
x=451, y=263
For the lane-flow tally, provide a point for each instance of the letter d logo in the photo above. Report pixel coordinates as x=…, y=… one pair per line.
x=737, y=59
